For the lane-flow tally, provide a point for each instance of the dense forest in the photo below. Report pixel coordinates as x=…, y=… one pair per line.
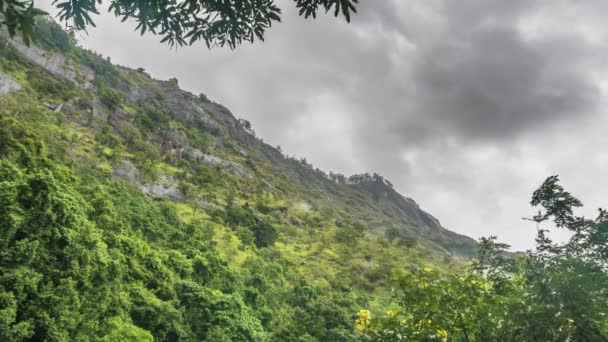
x=131, y=210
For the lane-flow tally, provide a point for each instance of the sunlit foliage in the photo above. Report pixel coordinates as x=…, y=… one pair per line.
x=556, y=292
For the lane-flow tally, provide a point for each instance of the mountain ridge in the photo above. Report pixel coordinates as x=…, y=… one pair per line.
x=215, y=118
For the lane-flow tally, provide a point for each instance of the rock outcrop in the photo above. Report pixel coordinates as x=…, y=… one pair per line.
x=165, y=187
x=8, y=85
x=55, y=63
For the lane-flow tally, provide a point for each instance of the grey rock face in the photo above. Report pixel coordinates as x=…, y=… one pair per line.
x=54, y=63
x=184, y=105
x=233, y=127
x=8, y=85
x=238, y=169
x=170, y=140
x=211, y=160
x=180, y=103
x=127, y=172
x=217, y=161
x=394, y=204
x=119, y=117
x=167, y=186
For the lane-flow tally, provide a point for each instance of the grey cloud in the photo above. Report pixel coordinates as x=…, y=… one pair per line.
x=496, y=85
x=477, y=78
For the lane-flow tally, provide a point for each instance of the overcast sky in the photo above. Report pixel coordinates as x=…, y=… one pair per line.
x=466, y=105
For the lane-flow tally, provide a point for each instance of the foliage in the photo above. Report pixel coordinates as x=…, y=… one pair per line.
x=50, y=36
x=320, y=314
x=265, y=233
x=186, y=22
x=19, y=17
x=47, y=86
x=350, y=235
x=554, y=293
x=111, y=97
x=74, y=265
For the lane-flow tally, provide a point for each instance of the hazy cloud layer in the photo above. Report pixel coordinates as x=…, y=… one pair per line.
x=466, y=105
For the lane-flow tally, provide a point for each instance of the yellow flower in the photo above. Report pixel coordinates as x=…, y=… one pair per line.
x=390, y=313
x=443, y=334
x=423, y=323
x=427, y=269
x=363, y=321
x=363, y=313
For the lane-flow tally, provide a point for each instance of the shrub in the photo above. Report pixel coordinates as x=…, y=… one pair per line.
x=265, y=234
x=110, y=97
x=49, y=35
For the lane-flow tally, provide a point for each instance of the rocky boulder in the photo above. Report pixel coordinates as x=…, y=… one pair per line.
x=165, y=187
x=8, y=85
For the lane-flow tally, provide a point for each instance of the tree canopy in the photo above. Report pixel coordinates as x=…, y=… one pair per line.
x=215, y=22
x=556, y=292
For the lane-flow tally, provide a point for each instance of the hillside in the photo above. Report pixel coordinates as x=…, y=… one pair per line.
x=133, y=209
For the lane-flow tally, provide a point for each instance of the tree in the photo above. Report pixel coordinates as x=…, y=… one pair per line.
x=265, y=234
x=555, y=293
x=217, y=23
x=350, y=235
x=408, y=242
x=392, y=233
x=192, y=193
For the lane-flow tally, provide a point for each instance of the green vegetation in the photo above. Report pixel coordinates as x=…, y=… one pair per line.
x=184, y=23
x=87, y=255
x=554, y=293
x=51, y=37
x=133, y=210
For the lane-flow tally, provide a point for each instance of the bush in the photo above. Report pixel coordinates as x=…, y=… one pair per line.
x=104, y=70
x=107, y=138
x=110, y=97
x=49, y=35
x=265, y=234
x=46, y=86
x=150, y=117
x=245, y=235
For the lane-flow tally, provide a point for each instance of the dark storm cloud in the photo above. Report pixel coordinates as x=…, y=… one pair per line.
x=415, y=72
x=473, y=76
x=488, y=82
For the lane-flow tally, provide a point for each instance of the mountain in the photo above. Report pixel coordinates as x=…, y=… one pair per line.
x=133, y=209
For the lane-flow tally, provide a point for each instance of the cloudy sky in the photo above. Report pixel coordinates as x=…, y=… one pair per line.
x=465, y=105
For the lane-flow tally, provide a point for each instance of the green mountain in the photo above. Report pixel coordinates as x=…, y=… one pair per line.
x=131, y=209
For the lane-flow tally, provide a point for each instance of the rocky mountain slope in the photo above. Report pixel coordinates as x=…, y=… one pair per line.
x=149, y=146
x=226, y=129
